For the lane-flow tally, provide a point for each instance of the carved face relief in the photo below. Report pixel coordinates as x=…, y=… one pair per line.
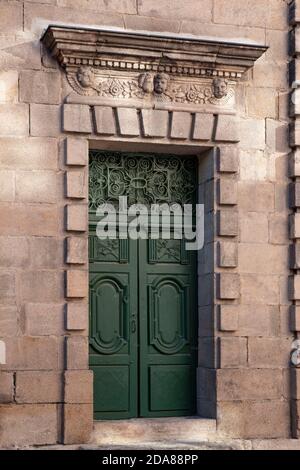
x=86, y=76
x=220, y=88
x=146, y=82
x=161, y=82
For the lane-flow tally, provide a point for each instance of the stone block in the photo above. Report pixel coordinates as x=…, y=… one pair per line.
x=249, y=384
x=20, y=219
x=77, y=151
x=78, y=423
x=31, y=153
x=40, y=87
x=228, y=286
x=25, y=425
x=105, y=120
x=254, y=14
x=41, y=286
x=228, y=159
x=263, y=258
x=125, y=6
x=36, y=186
x=76, y=184
x=7, y=186
x=260, y=289
x=295, y=318
x=203, y=126
x=226, y=129
x=252, y=133
x=228, y=318
x=46, y=252
x=278, y=229
x=155, y=123
x=295, y=383
x=259, y=319
x=227, y=223
x=254, y=227
x=76, y=284
x=294, y=256
x=269, y=353
x=14, y=120
x=174, y=9
x=7, y=288
x=294, y=194
x=261, y=102
x=39, y=387
x=254, y=197
x=77, y=118
x=77, y=316
x=294, y=163
x=181, y=125
x=31, y=353
x=254, y=166
x=77, y=250
x=77, y=353
x=147, y=23
x=78, y=386
x=9, y=86
x=294, y=223
x=42, y=319
x=6, y=387
x=232, y=352
x=11, y=18
x=128, y=122
x=14, y=252
x=277, y=136
x=227, y=192
x=76, y=217
x=227, y=254
x=45, y=120
x=8, y=321
x=255, y=419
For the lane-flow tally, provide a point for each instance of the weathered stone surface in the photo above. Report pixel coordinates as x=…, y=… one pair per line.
x=261, y=102
x=14, y=120
x=254, y=197
x=9, y=91
x=181, y=125
x=228, y=254
x=76, y=284
x=77, y=118
x=7, y=288
x=227, y=192
x=228, y=317
x=43, y=319
x=128, y=122
x=40, y=87
x=254, y=166
x=252, y=134
x=155, y=122
x=45, y=120
x=36, y=186
x=201, y=11
x=233, y=352
x=263, y=258
x=8, y=321
x=228, y=286
x=248, y=14
x=77, y=316
x=6, y=387
x=76, y=151
x=76, y=218
x=39, y=387
x=260, y=288
x=78, y=386
x=78, y=423
x=294, y=222
x=249, y=384
x=11, y=17
x=46, y=252
x=203, y=126
x=77, y=250
x=23, y=425
x=278, y=229
x=77, y=352
x=226, y=129
x=147, y=23
x=14, y=252
x=227, y=223
x=228, y=159
x=76, y=184
x=31, y=353
x=7, y=186
x=41, y=286
x=123, y=6
x=30, y=153
x=105, y=120
x=269, y=352
x=295, y=318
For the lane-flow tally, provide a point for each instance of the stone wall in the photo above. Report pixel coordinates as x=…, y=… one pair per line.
x=249, y=376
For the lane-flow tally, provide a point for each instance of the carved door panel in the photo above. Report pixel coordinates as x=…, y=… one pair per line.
x=142, y=295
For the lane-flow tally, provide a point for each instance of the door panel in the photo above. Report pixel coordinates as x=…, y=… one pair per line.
x=113, y=341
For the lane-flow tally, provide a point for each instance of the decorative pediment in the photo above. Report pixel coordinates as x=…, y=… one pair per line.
x=153, y=67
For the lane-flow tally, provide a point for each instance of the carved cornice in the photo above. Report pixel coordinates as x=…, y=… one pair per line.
x=119, y=64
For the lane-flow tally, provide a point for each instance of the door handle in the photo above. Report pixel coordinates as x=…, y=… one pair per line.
x=133, y=323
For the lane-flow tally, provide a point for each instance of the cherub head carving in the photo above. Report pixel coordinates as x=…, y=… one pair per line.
x=86, y=76
x=161, y=82
x=220, y=88
x=146, y=82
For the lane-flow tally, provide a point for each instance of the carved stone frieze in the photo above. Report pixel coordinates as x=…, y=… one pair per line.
x=151, y=67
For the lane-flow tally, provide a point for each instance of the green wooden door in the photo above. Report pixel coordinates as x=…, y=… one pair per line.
x=143, y=327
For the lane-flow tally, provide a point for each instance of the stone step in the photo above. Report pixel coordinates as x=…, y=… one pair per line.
x=143, y=430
